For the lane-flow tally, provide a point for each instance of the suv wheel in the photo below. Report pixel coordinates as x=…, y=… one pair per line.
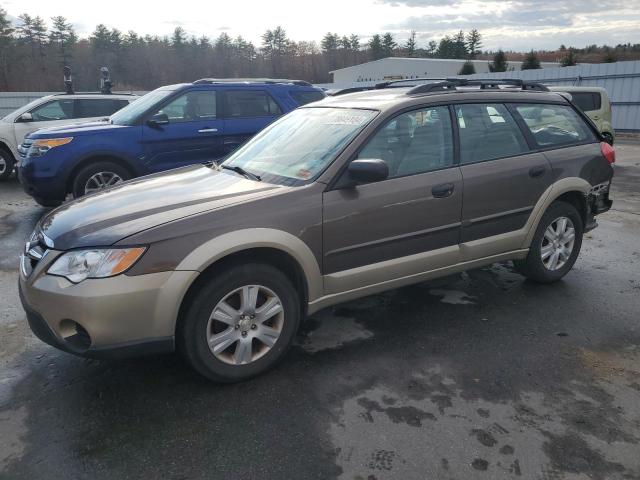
x=98, y=176
x=6, y=163
x=555, y=245
x=240, y=323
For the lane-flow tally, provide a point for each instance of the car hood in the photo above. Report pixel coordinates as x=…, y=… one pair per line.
x=106, y=217
x=76, y=129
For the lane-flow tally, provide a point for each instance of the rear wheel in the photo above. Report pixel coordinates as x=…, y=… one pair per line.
x=98, y=176
x=6, y=163
x=555, y=245
x=240, y=323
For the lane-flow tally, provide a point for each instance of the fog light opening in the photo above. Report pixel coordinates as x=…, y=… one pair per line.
x=75, y=335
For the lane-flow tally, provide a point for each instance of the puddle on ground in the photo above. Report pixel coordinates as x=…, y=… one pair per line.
x=332, y=331
x=454, y=297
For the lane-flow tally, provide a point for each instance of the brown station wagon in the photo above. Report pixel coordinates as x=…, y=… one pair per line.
x=343, y=198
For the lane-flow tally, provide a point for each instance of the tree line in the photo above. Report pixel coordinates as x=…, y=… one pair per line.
x=32, y=53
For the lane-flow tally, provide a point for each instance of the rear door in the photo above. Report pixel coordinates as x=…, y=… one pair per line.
x=503, y=178
x=194, y=133
x=246, y=112
x=414, y=211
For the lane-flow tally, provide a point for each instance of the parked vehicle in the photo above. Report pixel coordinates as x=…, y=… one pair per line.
x=50, y=111
x=594, y=101
x=341, y=199
x=170, y=127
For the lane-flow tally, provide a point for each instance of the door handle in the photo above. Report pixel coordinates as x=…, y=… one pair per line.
x=208, y=130
x=537, y=171
x=442, y=191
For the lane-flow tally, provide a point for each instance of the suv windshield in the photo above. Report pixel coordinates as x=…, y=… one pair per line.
x=299, y=146
x=131, y=112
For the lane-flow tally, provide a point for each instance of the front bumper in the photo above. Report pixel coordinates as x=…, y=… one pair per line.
x=42, y=185
x=114, y=317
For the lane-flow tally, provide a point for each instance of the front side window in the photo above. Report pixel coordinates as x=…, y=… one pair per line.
x=488, y=132
x=191, y=107
x=132, y=112
x=553, y=125
x=54, y=110
x=413, y=142
x=301, y=144
x=250, y=103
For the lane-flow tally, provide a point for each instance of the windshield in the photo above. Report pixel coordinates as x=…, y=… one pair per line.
x=131, y=112
x=299, y=146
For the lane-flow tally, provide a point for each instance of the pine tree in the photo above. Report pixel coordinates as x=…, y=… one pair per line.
x=6, y=42
x=531, y=61
x=569, y=60
x=468, y=68
x=410, y=46
x=499, y=63
x=375, y=47
x=474, y=43
x=388, y=45
x=64, y=37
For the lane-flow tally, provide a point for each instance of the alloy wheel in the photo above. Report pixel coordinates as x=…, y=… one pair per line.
x=245, y=324
x=3, y=164
x=557, y=243
x=100, y=181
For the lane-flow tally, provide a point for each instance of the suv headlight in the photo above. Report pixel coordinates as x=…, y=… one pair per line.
x=78, y=265
x=41, y=146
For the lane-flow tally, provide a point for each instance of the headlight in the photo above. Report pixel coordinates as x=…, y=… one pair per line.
x=96, y=263
x=43, y=145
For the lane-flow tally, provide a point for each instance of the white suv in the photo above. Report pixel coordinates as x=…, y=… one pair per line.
x=52, y=111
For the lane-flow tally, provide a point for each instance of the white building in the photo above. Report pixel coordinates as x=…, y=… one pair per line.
x=397, y=68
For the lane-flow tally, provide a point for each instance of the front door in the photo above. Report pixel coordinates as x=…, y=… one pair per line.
x=194, y=133
x=406, y=224
x=503, y=179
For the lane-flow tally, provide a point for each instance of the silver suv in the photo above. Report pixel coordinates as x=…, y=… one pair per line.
x=337, y=200
x=52, y=111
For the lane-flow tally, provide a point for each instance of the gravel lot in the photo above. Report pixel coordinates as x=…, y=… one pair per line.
x=479, y=375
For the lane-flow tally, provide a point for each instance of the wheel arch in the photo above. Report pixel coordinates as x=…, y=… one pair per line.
x=573, y=190
x=277, y=248
x=94, y=158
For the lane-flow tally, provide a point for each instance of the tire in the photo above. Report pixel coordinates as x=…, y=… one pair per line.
x=533, y=266
x=198, y=326
x=111, y=172
x=7, y=162
x=45, y=202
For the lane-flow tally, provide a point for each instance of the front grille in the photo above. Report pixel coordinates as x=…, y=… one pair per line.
x=24, y=147
x=34, y=251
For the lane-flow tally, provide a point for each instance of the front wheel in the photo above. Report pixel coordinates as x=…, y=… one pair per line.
x=240, y=323
x=6, y=163
x=98, y=176
x=555, y=245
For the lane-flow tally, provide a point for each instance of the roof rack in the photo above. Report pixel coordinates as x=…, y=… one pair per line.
x=395, y=83
x=483, y=83
x=251, y=80
x=344, y=91
x=95, y=93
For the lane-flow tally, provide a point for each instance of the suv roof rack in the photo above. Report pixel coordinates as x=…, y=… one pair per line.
x=252, y=80
x=94, y=93
x=484, y=84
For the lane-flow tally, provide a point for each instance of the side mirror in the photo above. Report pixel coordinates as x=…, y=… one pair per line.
x=158, y=119
x=368, y=170
x=25, y=117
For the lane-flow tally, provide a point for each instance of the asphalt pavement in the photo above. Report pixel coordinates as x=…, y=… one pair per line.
x=479, y=375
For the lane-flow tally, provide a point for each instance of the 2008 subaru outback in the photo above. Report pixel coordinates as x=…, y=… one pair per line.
x=347, y=197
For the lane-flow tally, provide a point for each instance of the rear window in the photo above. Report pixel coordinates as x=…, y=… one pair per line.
x=302, y=98
x=98, y=107
x=553, y=125
x=586, y=101
x=250, y=103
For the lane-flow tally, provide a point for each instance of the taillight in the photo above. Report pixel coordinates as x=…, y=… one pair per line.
x=608, y=152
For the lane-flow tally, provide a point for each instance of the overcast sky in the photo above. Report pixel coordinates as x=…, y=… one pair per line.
x=509, y=24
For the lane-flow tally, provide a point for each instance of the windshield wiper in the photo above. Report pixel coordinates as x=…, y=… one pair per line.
x=242, y=172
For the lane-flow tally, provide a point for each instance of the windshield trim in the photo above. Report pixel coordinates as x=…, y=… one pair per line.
x=273, y=178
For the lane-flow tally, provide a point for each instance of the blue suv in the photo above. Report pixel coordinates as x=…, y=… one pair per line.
x=170, y=127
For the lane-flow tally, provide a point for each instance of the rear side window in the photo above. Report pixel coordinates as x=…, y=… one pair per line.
x=586, y=101
x=302, y=98
x=250, y=103
x=487, y=132
x=553, y=125
x=55, y=110
x=97, y=107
